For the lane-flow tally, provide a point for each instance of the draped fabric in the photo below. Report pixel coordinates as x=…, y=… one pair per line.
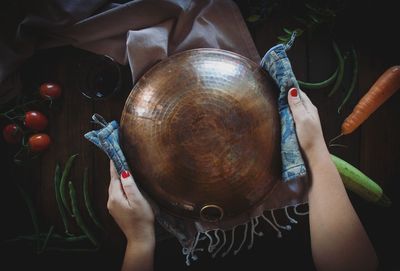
x=139, y=33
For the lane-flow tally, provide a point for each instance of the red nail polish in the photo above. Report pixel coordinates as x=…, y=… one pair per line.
x=293, y=92
x=125, y=174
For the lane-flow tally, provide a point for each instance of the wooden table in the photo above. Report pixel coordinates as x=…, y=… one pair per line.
x=374, y=148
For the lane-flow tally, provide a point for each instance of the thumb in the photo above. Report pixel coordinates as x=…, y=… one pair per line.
x=295, y=103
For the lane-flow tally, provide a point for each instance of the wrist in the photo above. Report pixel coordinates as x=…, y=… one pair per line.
x=142, y=246
x=318, y=153
x=144, y=235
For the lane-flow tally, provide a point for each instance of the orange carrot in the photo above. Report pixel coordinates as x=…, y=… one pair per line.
x=386, y=85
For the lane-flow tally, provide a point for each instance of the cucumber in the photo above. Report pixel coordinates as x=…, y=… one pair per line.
x=359, y=183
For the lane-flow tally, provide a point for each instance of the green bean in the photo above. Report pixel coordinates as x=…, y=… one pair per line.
x=340, y=70
x=63, y=183
x=283, y=39
x=314, y=19
x=287, y=31
x=312, y=8
x=78, y=216
x=46, y=240
x=321, y=84
x=75, y=238
x=88, y=202
x=57, y=182
x=353, y=81
x=32, y=212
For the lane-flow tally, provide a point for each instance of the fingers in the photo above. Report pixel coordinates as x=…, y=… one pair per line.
x=130, y=188
x=306, y=101
x=125, y=187
x=296, y=104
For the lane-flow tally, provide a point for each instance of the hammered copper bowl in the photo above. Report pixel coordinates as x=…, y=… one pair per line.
x=200, y=131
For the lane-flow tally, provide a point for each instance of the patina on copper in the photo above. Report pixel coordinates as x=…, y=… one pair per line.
x=201, y=131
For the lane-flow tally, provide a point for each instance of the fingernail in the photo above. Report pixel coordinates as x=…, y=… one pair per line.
x=125, y=174
x=293, y=92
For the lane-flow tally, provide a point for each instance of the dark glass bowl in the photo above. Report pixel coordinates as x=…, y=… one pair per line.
x=99, y=76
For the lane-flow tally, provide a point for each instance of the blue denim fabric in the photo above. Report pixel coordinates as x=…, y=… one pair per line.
x=107, y=139
x=277, y=64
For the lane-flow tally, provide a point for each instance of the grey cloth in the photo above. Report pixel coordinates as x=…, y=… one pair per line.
x=139, y=33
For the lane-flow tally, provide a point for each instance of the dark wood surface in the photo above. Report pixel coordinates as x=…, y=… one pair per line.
x=374, y=148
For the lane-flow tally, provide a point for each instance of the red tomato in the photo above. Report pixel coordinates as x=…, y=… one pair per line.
x=39, y=142
x=12, y=133
x=35, y=120
x=50, y=90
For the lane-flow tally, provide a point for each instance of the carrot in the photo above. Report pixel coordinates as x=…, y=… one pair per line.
x=386, y=85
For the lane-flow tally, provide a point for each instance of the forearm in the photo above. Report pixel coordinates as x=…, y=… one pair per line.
x=338, y=239
x=139, y=256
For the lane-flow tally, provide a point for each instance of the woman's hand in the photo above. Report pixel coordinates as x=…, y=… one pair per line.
x=129, y=208
x=334, y=231
x=308, y=125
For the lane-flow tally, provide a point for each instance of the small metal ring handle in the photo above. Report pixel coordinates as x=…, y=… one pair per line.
x=211, y=213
